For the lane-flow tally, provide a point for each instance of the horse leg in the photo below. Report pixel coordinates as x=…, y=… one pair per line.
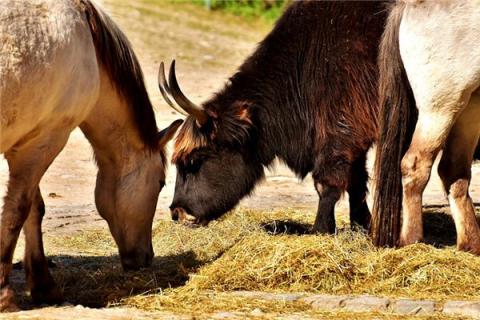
x=442, y=84
x=357, y=191
x=455, y=172
x=429, y=136
x=43, y=288
x=27, y=164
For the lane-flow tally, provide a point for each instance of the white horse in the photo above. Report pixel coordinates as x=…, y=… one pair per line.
x=63, y=64
x=430, y=61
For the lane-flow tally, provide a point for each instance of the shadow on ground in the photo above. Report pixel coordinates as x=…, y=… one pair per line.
x=290, y=227
x=99, y=281
x=439, y=228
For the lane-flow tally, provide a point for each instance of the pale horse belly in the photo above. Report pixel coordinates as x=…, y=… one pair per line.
x=49, y=75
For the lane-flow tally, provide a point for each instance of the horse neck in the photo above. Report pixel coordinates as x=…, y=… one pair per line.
x=112, y=132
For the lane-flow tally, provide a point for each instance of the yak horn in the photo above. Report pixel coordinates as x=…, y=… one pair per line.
x=165, y=89
x=177, y=94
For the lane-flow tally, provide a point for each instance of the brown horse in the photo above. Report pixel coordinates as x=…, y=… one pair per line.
x=65, y=64
x=430, y=101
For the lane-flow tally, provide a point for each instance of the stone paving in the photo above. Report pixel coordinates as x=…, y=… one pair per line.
x=315, y=303
x=368, y=303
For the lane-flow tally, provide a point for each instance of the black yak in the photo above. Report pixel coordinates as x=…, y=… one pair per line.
x=307, y=95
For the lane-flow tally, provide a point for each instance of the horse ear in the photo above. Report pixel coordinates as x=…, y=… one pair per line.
x=167, y=134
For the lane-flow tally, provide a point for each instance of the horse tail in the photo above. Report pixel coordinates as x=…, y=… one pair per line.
x=398, y=117
x=116, y=55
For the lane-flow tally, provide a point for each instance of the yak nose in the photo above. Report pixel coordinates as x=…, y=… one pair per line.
x=181, y=215
x=175, y=213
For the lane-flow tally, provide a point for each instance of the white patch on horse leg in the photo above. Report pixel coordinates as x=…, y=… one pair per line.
x=463, y=213
x=454, y=170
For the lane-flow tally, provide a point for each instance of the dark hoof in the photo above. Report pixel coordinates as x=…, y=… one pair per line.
x=52, y=295
x=359, y=228
x=323, y=230
x=7, y=300
x=17, y=265
x=51, y=263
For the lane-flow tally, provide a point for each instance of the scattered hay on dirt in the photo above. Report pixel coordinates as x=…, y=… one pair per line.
x=88, y=267
x=194, y=269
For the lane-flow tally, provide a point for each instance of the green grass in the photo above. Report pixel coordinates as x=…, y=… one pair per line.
x=250, y=9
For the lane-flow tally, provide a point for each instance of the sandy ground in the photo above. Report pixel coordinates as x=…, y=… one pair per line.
x=208, y=48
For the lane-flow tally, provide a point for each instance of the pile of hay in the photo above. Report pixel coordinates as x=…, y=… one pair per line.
x=344, y=264
x=264, y=259
x=194, y=269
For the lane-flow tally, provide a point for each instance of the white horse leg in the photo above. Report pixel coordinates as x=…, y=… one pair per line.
x=442, y=82
x=27, y=163
x=455, y=172
x=43, y=288
x=416, y=167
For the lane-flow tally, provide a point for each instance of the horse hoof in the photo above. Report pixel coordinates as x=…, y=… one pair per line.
x=11, y=307
x=17, y=265
x=408, y=240
x=51, y=263
x=472, y=247
x=52, y=295
x=7, y=300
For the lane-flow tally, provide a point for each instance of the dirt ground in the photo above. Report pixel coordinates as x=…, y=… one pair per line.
x=208, y=47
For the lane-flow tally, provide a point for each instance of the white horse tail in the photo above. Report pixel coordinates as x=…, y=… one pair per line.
x=398, y=116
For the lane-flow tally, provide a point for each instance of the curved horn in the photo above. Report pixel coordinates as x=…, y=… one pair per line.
x=165, y=90
x=177, y=94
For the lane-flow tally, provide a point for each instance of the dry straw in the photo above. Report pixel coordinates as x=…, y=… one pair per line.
x=194, y=269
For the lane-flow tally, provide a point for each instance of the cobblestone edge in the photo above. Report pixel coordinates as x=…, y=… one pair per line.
x=370, y=303
x=315, y=302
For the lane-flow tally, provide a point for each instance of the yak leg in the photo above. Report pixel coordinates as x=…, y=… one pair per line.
x=455, y=172
x=43, y=288
x=27, y=164
x=330, y=183
x=325, y=219
x=357, y=191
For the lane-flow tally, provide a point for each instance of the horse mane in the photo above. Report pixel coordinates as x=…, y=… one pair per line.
x=116, y=55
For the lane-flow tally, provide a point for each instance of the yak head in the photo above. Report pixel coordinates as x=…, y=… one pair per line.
x=215, y=154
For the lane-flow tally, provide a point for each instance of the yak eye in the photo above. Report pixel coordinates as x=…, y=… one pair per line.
x=193, y=165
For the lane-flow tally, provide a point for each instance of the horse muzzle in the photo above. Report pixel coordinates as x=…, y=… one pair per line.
x=136, y=260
